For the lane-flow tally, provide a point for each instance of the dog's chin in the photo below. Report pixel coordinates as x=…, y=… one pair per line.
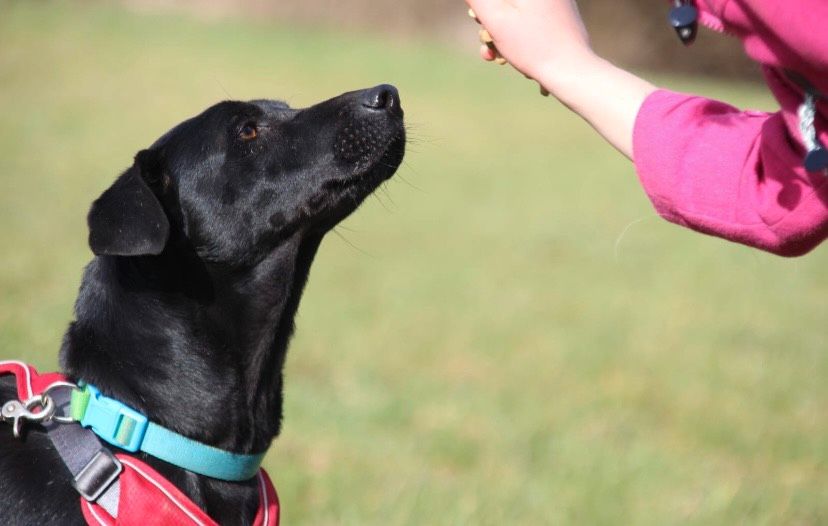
x=369, y=169
x=346, y=193
x=385, y=163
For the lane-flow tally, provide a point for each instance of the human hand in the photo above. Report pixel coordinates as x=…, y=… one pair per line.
x=543, y=39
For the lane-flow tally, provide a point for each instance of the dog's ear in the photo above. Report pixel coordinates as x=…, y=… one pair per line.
x=127, y=219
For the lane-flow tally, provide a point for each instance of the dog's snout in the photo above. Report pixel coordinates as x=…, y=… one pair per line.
x=381, y=98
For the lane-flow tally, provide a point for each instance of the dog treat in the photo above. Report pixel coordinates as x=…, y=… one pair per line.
x=488, y=41
x=485, y=37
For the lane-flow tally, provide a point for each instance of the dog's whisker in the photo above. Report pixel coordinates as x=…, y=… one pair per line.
x=223, y=89
x=346, y=228
x=407, y=182
x=384, y=189
x=376, y=196
x=352, y=245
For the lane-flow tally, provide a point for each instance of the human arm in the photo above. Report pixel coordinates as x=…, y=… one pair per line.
x=546, y=41
x=730, y=173
x=704, y=164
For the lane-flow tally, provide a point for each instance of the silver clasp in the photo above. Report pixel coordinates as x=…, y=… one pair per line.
x=18, y=412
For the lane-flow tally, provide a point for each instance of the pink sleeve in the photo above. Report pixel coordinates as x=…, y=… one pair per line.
x=733, y=174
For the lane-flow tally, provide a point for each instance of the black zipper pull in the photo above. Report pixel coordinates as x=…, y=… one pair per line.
x=684, y=17
x=816, y=160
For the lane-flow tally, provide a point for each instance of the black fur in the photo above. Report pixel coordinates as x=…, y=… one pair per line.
x=203, y=248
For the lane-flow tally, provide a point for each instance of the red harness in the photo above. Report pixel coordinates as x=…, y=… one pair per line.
x=146, y=497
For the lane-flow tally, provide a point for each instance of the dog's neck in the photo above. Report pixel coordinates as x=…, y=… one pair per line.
x=198, y=348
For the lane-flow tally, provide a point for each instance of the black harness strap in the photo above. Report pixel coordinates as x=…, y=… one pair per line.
x=94, y=468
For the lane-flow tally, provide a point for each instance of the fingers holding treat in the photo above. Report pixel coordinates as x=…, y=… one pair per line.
x=488, y=49
x=491, y=53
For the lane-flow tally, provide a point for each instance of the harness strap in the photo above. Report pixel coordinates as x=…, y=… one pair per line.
x=94, y=475
x=148, y=499
x=118, y=490
x=93, y=467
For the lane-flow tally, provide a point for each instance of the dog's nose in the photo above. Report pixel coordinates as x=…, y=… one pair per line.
x=382, y=97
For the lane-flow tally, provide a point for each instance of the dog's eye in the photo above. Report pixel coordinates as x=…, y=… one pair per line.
x=248, y=132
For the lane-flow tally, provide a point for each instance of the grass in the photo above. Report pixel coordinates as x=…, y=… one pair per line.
x=506, y=335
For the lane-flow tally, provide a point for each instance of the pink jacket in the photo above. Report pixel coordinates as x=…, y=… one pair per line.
x=739, y=174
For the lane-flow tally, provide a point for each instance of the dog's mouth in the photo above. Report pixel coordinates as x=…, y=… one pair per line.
x=365, y=145
x=370, y=146
x=384, y=161
x=362, y=175
x=371, y=167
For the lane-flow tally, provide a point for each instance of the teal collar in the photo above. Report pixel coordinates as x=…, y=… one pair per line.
x=128, y=429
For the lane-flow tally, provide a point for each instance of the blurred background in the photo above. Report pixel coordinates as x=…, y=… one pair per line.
x=506, y=333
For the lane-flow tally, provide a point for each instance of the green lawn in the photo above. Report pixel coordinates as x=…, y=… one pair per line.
x=506, y=334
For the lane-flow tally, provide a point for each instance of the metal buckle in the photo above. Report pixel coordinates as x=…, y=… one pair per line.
x=97, y=475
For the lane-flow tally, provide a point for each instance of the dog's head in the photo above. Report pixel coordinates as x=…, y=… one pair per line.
x=242, y=176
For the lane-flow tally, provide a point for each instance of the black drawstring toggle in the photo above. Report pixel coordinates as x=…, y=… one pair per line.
x=684, y=18
x=816, y=160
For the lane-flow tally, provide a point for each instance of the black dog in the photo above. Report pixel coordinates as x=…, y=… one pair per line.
x=203, y=248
